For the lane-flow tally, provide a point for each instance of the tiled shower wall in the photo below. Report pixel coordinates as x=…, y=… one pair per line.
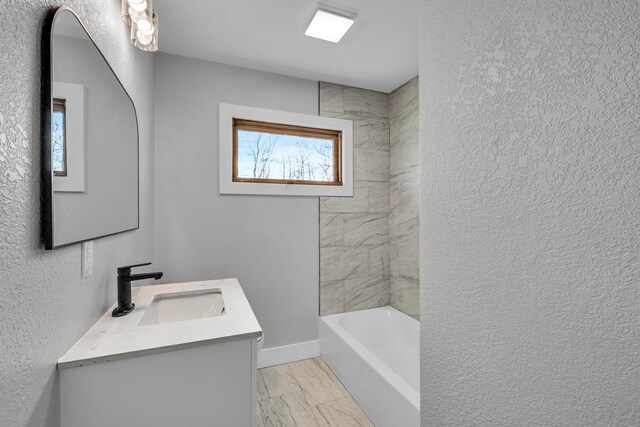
x=404, y=184
x=354, y=232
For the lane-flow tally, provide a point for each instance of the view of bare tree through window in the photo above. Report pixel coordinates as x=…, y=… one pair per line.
x=58, y=138
x=263, y=155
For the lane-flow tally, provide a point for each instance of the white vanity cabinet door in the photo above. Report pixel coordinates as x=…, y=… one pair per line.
x=204, y=385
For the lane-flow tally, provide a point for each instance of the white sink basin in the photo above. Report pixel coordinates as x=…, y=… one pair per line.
x=179, y=306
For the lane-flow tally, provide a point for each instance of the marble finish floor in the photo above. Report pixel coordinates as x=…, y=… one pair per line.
x=305, y=394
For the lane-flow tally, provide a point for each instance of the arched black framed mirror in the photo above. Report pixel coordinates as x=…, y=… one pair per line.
x=89, y=139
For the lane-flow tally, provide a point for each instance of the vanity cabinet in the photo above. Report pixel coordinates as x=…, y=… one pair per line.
x=207, y=385
x=196, y=372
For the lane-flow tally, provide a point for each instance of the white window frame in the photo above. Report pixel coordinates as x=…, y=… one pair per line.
x=228, y=112
x=74, y=181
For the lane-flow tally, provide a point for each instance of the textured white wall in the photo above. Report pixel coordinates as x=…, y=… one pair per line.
x=530, y=212
x=270, y=243
x=44, y=305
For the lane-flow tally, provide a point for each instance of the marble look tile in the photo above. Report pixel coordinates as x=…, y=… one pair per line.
x=318, y=383
x=370, y=165
x=403, y=226
x=366, y=229
x=404, y=98
x=405, y=296
x=279, y=380
x=259, y=417
x=409, y=174
x=343, y=412
x=366, y=103
x=379, y=197
x=300, y=410
x=379, y=259
x=404, y=194
x=341, y=263
x=287, y=410
x=358, y=203
x=404, y=127
x=405, y=149
x=361, y=252
x=400, y=160
x=360, y=294
x=262, y=388
x=331, y=297
x=331, y=230
x=370, y=133
x=405, y=261
x=394, y=193
x=331, y=98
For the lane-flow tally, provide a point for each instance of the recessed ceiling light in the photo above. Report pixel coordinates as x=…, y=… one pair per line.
x=328, y=26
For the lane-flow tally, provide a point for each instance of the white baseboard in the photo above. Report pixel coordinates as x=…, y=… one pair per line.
x=288, y=353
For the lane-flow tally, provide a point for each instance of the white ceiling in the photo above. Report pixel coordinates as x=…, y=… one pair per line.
x=379, y=52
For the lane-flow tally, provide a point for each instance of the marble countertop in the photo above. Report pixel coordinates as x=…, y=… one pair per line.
x=113, y=338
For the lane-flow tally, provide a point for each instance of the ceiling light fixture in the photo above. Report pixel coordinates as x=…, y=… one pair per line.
x=143, y=20
x=328, y=26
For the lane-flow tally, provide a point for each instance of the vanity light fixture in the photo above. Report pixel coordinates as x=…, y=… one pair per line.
x=143, y=20
x=328, y=26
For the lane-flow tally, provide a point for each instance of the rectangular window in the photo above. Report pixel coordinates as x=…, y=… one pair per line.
x=59, y=137
x=275, y=153
x=283, y=153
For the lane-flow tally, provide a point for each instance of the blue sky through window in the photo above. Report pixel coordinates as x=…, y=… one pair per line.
x=270, y=156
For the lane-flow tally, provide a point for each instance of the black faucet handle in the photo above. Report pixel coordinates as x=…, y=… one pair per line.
x=126, y=269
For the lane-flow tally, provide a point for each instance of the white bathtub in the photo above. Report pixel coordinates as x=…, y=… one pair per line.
x=376, y=355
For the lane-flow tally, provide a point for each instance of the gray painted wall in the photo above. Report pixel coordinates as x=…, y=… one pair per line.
x=530, y=212
x=354, y=231
x=44, y=304
x=404, y=182
x=269, y=243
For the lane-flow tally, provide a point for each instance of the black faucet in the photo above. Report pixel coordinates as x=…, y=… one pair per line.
x=125, y=306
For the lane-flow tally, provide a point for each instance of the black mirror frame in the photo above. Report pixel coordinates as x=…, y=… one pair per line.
x=46, y=112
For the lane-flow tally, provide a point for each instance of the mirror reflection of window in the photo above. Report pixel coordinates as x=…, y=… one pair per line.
x=93, y=126
x=59, y=137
